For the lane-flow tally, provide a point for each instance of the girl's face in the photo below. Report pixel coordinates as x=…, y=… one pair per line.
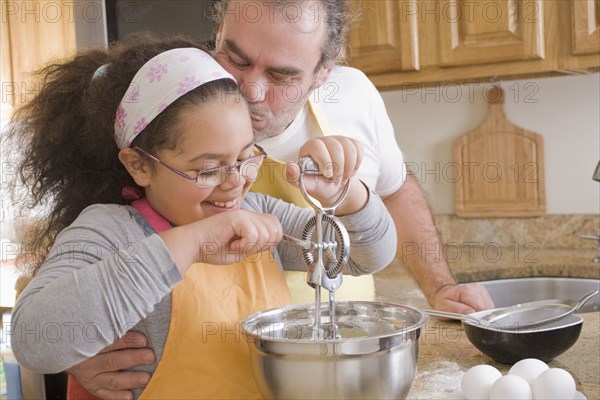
x=215, y=133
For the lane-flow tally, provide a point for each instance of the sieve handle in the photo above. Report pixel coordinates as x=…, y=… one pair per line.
x=450, y=315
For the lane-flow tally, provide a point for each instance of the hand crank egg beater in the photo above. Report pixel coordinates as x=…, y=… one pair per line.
x=324, y=259
x=360, y=350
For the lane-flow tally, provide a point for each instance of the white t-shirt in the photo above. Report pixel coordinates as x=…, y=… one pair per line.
x=352, y=107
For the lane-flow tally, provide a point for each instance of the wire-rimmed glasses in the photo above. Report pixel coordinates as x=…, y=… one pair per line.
x=211, y=177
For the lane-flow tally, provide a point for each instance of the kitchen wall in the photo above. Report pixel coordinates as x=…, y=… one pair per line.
x=564, y=110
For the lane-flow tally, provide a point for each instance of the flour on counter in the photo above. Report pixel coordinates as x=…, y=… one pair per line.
x=442, y=380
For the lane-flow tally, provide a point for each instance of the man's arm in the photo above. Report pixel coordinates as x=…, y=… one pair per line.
x=420, y=250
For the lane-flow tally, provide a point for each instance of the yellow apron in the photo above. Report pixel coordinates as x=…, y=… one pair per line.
x=272, y=181
x=205, y=354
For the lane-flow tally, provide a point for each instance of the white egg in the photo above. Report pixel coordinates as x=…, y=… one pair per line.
x=476, y=382
x=554, y=384
x=510, y=387
x=528, y=369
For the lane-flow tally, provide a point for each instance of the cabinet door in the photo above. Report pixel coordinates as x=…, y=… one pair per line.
x=385, y=38
x=585, y=20
x=489, y=31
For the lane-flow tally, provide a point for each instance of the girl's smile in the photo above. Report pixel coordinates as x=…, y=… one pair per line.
x=224, y=205
x=213, y=133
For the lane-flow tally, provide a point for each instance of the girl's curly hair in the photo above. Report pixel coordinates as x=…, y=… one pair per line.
x=62, y=141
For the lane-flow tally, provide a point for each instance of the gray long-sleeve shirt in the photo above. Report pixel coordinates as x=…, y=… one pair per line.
x=109, y=272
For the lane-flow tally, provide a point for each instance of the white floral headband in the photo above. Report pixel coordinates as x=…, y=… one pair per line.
x=162, y=80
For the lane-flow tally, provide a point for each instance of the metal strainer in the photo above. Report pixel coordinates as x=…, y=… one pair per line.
x=520, y=316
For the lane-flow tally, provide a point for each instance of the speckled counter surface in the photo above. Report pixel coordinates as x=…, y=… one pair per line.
x=497, y=248
x=531, y=262
x=446, y=353
x=395, y=283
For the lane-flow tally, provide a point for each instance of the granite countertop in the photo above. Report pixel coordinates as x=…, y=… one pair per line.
x=445, y=353
x=480, y=249
x=502, y=263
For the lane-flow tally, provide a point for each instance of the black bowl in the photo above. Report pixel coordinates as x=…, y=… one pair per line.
x=544, y=342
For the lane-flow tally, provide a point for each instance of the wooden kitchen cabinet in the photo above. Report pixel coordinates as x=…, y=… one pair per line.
x=488, y=31
x=585, y=20
x=387, y=37
x=585, y=35
x=407, y=42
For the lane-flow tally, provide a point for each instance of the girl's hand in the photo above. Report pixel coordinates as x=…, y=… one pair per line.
x=339, y=158
x=225, y=238
x=229, y=237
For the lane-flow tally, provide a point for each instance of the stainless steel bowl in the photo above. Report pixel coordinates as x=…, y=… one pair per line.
x=376, y=357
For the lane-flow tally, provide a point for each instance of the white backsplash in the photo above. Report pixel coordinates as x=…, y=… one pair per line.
x=564, y=110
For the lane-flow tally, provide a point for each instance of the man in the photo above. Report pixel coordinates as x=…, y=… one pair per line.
x=279, y=52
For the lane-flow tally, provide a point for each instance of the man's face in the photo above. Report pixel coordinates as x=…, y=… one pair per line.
x=273, y=55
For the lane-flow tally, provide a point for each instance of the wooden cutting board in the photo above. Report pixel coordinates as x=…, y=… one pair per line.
x=500, y=167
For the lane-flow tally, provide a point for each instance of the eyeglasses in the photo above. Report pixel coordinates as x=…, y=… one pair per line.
x=248, y=169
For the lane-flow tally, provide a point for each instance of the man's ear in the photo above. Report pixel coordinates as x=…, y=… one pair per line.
x=136, y=165
x=322, y=75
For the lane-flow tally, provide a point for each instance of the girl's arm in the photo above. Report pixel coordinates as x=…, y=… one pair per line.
x=371, y=231
x=370, y=227
x=109, y=270
x=102, y=277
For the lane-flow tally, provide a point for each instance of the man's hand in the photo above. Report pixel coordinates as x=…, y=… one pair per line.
x=416, y=231
x=338, y=158
x=101, y=375
x=462, y=299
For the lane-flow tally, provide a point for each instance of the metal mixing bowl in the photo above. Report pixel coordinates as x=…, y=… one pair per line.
x=376, y=357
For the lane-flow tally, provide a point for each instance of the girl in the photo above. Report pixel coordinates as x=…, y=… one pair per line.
x=145, y=155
